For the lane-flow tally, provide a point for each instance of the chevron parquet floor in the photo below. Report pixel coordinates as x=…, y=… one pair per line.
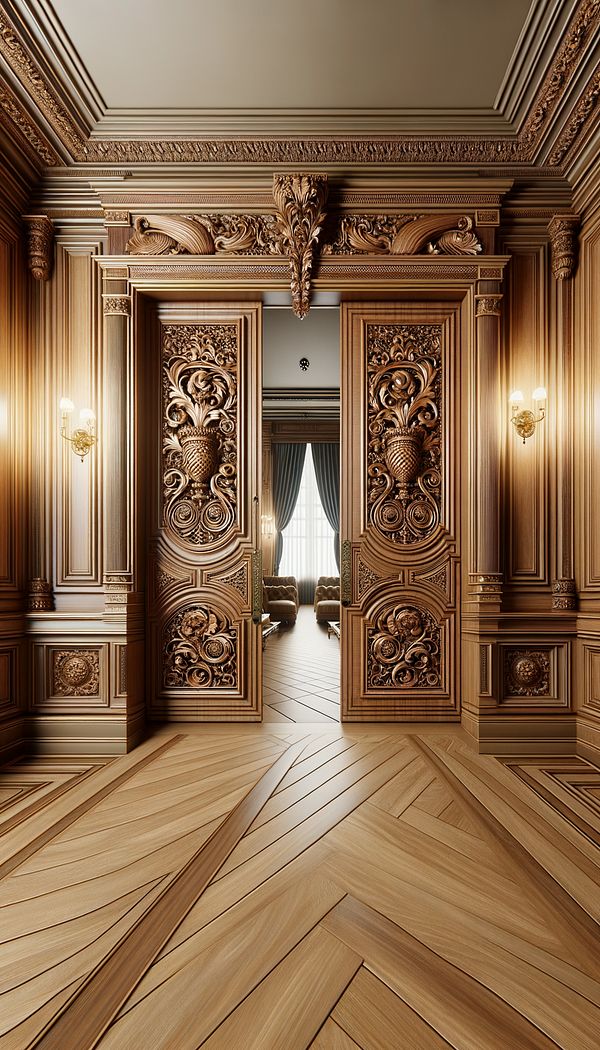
x=288, y=886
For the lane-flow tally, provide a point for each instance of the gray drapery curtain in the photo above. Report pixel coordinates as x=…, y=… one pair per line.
x=288, y=462
x=326, y=458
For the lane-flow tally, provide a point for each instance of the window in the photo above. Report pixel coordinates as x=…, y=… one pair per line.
x=308, y=550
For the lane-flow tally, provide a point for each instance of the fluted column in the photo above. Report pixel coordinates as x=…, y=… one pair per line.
x=564, y=250
x=116, y=446
x=486, y=579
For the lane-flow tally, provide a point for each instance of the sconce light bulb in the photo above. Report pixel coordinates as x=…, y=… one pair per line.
x=516, y=397
x=539, y=394
x=87, y=415
x=66, y=406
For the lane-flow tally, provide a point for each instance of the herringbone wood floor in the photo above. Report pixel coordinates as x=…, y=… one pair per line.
x=294, y=886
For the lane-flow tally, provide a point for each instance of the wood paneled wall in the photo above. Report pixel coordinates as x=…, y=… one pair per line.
x=78, y=681
x=13, y=469
x=586, y=407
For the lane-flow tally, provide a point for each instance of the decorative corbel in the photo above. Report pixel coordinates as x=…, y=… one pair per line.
x=564, y=245
x=300, y=202
x=39, y=239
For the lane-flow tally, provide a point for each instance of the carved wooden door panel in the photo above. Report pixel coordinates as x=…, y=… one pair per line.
x=204, y=648
x=400, y=507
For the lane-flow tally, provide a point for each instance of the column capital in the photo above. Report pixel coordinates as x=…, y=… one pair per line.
x=488, y=305
x=116, y=304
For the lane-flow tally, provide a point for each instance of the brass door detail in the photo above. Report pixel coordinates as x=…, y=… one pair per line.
x=205, y=650
x=400, y=507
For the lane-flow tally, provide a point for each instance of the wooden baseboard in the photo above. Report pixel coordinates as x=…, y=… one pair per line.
x=13, y=737
x=522, y=736
x=80, y=735
x=588, y=739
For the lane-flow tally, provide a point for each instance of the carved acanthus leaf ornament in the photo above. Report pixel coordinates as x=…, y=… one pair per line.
x=204, y=235
x=200, y=394
x=200, y=650
x=440, y=234
x=300, y=201
x=404, y=369
x=404, y=650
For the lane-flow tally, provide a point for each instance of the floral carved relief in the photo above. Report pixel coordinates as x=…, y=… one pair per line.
x=441, y=234
x=76, y=672
x=404, y=392
x=205, y=235
x=404, y=650
x=200, y=650
x=527, y=672
x=200, y=430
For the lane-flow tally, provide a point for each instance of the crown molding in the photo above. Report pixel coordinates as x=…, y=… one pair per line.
x=49, y=73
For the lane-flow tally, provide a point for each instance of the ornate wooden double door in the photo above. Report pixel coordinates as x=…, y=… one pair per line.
x=400, y=485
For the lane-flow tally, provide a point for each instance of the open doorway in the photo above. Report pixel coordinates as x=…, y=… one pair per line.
x=300, y=520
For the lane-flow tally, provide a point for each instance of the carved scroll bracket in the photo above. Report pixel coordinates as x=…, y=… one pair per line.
x=300, y=202
x=564, y=246
x=40, y=242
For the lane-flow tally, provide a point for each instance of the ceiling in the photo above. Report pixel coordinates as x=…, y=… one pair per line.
x=385, y=55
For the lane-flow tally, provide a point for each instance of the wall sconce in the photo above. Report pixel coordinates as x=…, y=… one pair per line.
x=267, y=525
x=82, y=438
x=525, y=420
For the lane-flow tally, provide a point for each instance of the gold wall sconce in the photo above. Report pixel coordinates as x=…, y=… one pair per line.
x=83, y=437
x=267, y=526
x=525, y=420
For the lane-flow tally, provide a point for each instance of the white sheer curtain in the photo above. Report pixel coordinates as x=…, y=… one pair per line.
x=308, y=550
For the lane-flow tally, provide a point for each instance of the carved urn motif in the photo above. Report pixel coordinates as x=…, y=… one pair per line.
x=403, y=447
x=200, y=448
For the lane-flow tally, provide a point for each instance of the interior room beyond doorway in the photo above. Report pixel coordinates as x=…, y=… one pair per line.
x=300, y=515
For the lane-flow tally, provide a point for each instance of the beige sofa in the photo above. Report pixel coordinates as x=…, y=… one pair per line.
x=280, y=598
x=327, y=599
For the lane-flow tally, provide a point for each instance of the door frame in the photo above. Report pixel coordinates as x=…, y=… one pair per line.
x=472, y=281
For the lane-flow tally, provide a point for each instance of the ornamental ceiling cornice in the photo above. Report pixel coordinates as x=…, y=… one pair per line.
x=72, y=143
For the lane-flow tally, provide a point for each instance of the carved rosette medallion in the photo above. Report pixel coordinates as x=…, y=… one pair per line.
x=564, y=245
x=200, y=650
x=404, y=459
x=527, y=672
x=300, y=202
x=564, y=594
x=75, y=672
x=200, y=394
x=40, y=242
x=404, y=650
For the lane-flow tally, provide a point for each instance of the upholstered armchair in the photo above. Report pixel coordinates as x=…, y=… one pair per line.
x=327, y=599
x=280, y=598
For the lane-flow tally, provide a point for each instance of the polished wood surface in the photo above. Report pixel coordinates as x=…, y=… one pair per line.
x=288, y=886
x=301, y=673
